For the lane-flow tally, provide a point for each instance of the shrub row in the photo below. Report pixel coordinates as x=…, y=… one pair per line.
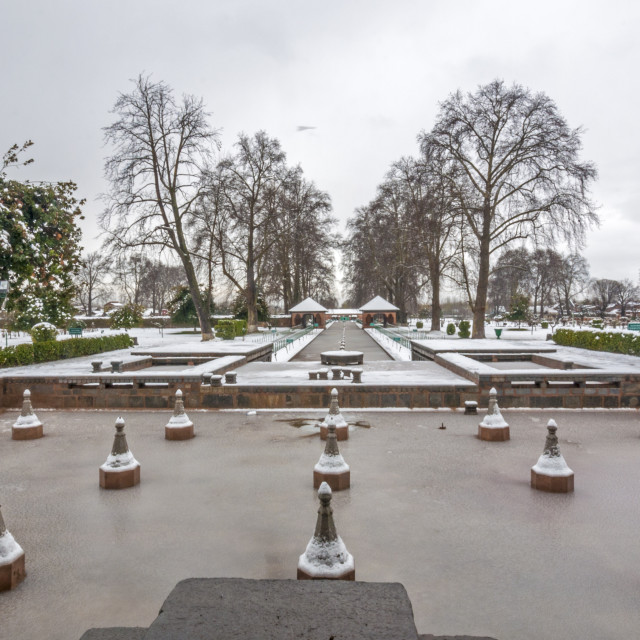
x=28, y=353
x=626, y=343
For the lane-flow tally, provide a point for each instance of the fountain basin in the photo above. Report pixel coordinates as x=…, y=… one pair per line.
x=341, y=357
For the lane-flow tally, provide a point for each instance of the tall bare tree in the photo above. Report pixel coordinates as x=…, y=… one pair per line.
x=519, y=174
x=626, y=292
x=161, y=148
x=91, y=276
x=301, y=262
x=244, y=194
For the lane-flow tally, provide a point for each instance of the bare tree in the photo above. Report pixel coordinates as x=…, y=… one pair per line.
x=301, y=262
x=603, y=293
x=572, y=280
x=244, y=195
x=625, y=293
x=90, y=278
x=162, y=147
x=519, y=175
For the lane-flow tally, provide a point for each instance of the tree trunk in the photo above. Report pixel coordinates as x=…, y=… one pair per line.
x=436, y=311
x=203, y=314
x=252, y=311
x=480, y=306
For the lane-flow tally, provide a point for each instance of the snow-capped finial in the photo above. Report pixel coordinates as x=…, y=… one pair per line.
x=326, y=556
x=331, y=468
x=179, y=426
x=551, y=472
x=551, y=443
x=120, y=446
x=342, y=427
x=121, y=469
x=11, y=559
x=27, y=426
x=493, y=426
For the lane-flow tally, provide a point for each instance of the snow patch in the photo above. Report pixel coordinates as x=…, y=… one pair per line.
x=10, y=550
x=552, y=466
x=326, y=559
x=120, y=462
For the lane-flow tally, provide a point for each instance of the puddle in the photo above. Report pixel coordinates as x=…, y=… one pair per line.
x=298, y=422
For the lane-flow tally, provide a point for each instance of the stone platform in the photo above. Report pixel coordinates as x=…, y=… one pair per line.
x=234, y=609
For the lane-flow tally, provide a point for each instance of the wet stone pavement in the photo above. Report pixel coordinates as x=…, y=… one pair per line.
x=447, y=515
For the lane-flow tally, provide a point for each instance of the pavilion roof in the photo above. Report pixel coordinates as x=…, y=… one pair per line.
x=379, y=304
x=308, y=306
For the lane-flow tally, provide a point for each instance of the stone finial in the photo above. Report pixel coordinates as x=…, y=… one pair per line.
x=326, y=556
x=493, y=426
x=27, y=426
x=551, y=448
x=331, y=467
x=179, y=426
x=121, y=469
x=342, y=427
x=12, y=570
x=551, y=472
x=120, y=446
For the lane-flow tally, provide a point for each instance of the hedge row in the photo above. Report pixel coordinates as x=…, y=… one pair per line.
x=626, y=343
x=29, y=353
x=228, y=329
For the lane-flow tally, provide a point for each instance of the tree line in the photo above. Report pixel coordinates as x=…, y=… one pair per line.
x=500, y=168
x=494, y=194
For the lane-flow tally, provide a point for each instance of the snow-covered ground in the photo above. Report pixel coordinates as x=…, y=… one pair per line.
x=393, y=348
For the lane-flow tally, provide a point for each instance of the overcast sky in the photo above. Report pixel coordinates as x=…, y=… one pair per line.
x=368, y=75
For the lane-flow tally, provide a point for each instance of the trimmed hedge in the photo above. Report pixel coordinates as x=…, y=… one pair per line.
x=226, y=329
x=23, y=354
x=464, y=327
x=625, y=343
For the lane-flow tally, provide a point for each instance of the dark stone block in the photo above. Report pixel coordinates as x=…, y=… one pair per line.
x=115, y=633
x=231, y=608
x=428, y=636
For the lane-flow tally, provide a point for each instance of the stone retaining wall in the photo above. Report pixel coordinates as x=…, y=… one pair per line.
x=132, y=393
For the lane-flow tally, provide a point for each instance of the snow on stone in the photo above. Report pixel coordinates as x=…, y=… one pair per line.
x=120, y=462
x=339, y=420
x=331, y=464
x=552, y=466
x=326, y=559
x=24, y=422
x=181, y=420
x=10, y=550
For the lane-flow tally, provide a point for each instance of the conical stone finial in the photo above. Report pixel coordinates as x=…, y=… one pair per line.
x=342, y=427
x=121, y=470
x=27, y=426
x=12, y=570
x=326, y=556
x=331, y=468
x=179, y=426
x=493, y=426
x=551, y=472
x=551, y=448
